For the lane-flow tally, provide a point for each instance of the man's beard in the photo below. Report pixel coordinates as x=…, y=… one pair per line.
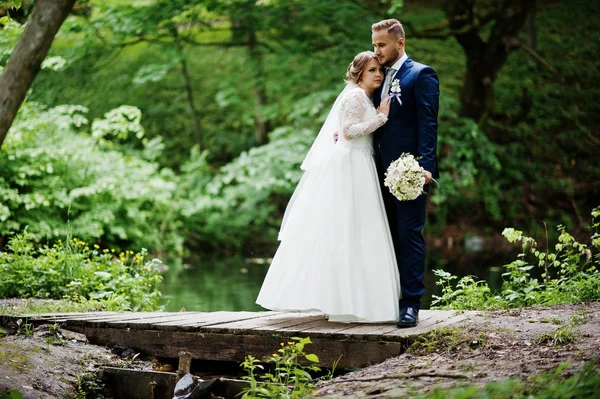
x=393, y=58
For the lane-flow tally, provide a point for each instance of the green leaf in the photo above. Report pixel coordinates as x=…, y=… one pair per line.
x=14, y=394
x=311, y=357
x=104, y=275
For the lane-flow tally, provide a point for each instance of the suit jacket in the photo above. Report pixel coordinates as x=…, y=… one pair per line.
x=412, y=126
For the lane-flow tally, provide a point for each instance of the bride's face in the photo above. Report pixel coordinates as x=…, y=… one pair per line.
x=372, y=75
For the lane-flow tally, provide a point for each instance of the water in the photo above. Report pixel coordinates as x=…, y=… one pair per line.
x=214, y=284
x=232, y=284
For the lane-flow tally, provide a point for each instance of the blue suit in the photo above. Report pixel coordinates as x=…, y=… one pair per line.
x=412, y=128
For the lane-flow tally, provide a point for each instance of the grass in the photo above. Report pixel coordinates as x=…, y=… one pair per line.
x=554, y=385
x=39, y=306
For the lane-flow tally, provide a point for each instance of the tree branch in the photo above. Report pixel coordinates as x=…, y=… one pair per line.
x=411, y=27
x=515, y=42
x=26, y=60
x=421, y=35
x=426, y=33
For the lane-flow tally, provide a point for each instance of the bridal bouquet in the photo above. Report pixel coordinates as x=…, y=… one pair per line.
x=404, y=178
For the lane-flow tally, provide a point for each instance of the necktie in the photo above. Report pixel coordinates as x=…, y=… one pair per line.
x=387, y=83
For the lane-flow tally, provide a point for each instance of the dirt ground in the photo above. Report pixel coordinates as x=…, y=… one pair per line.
x=497, y=345
x=49, y=365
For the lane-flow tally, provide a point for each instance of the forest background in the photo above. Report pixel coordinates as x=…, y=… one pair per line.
x=179, y=126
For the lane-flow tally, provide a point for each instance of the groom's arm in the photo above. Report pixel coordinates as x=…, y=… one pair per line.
x=427, y=94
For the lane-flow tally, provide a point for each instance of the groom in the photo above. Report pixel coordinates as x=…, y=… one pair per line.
x=412, y=128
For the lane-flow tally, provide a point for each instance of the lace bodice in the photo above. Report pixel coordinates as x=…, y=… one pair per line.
x=359, y=119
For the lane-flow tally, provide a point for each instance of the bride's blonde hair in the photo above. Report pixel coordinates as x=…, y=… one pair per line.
x=358, y=64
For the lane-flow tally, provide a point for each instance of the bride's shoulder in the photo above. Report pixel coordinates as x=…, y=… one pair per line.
x=355, y=94
x=356, y=91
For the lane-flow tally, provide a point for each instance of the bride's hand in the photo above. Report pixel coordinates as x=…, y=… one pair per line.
x=384, y=107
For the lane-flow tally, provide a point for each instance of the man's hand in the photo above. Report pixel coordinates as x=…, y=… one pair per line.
x=427, y=175
x=335, y=137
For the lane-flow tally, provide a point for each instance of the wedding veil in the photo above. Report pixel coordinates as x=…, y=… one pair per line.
x=319, y=152
x=323, y=144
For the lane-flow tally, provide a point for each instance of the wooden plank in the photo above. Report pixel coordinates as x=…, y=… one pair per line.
x=360, y=330
x=246, y=324
x=154, y=321
x=298, y=329
x=215, y=319
x=265, y=320
x=288, y=321
x=45, y=316
x=99, y=316
x=378, y=331
x=108, y=319
x=235, y=347
x=42, y=319
x=90, y=315
x=439, y=320
x=59, y=318
x=334, y=329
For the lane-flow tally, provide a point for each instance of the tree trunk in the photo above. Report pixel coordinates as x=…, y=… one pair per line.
x=190, y=95
x=245, y=22
x=484, y=58
x=25, y=62
x=477, y=93
x=262, y=128
x=531, y=30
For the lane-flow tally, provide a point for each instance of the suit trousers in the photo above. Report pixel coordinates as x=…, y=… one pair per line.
x=406, y=220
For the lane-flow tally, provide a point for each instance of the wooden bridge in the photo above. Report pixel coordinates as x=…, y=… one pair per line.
x=230, y=336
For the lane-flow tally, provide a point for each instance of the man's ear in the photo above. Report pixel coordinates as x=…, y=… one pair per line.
x=401, y=42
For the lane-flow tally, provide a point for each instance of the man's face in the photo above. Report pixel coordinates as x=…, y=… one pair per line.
x=387, y=49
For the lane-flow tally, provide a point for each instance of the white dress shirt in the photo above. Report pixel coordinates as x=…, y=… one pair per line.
x=391, y=73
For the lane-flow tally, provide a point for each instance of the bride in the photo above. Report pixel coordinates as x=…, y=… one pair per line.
x=336, y=254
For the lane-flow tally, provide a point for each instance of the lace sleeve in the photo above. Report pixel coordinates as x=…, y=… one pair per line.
x=353, y=108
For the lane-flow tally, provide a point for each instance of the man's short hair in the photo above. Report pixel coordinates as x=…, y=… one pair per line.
x=392, y=26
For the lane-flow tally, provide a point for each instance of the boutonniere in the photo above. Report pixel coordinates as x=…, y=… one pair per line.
x=396, y=91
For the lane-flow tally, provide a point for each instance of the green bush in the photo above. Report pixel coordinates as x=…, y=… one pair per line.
x=571, y=273
x=81, y=272
x=288, y=378
x=244, y=200
x=59, y=177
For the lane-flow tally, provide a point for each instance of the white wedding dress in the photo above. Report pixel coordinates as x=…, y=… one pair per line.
x=336, y=254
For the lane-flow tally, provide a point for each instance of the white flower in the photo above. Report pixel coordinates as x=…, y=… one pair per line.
x=404, y=177
x=395, y=91
x=54, y=63
x=395, y=86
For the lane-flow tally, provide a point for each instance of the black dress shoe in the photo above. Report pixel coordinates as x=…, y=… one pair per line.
x=409, y=317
